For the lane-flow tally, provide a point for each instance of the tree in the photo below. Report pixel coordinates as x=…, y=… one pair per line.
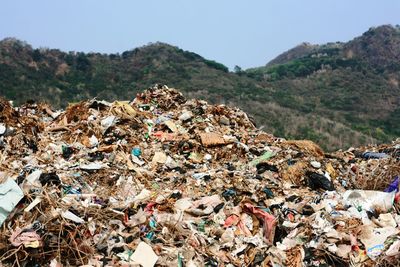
x=82, y=62
x=36, y=55
x=238, y=70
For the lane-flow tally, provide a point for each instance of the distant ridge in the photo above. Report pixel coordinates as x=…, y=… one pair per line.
x=337, y=94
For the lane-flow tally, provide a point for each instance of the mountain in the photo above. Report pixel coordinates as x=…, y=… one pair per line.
x=59, y=77
x=354, y=83
x=296, y=52
x=337, y=94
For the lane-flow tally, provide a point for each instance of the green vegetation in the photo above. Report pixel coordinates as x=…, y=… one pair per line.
x=354, y=83
x=338, y=94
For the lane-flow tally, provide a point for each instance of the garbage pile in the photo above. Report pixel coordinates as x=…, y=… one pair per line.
x=166, y=181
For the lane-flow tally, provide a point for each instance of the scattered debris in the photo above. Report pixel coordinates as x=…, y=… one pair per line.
x=166, y=181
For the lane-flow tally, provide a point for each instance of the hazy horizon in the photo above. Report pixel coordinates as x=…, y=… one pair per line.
x=229, y=32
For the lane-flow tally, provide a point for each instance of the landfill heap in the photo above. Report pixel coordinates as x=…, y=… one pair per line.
x=166, y=181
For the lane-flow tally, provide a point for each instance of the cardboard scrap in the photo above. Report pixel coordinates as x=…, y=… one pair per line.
x=211, y=139
x=307, y=145
x=123, y=109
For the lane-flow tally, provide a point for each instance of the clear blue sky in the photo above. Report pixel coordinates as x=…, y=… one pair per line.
x=245, y=33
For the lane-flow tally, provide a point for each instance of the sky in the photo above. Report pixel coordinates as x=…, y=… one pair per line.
x=244, y=33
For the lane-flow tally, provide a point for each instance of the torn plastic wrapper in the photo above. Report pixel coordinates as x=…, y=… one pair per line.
x=10, y=195
x=317, y=181
x=374, y=239
x=71, y=216
x=33, y=204
x=26, y=237
x=108, y=122
x=394, y=249
x=374, y=155
x=93, y=166
x=269, y=221
x=394, y=186
x=3, y=128
x=369, y=200
x=205, y=205
x=267, y=155
x=143, y=255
